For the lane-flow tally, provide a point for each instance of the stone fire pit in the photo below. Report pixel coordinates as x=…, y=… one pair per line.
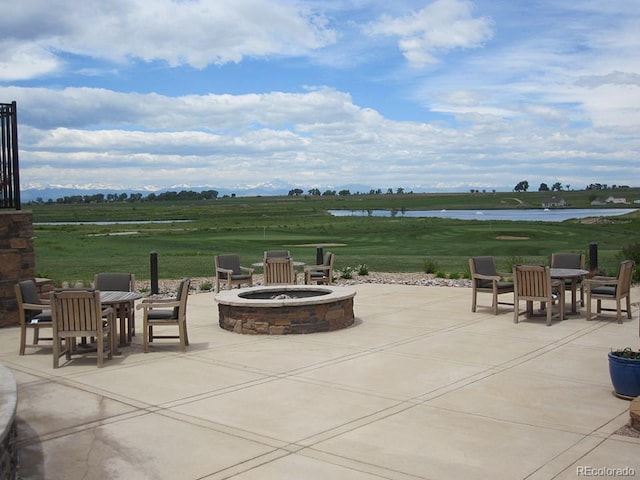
x=285, y=309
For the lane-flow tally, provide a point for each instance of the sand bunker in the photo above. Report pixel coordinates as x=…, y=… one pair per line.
x=510, y=237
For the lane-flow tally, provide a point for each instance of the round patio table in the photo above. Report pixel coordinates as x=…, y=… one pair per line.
x=572, y=274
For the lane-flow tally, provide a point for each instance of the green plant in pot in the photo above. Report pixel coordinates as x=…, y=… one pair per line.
x=624, y=368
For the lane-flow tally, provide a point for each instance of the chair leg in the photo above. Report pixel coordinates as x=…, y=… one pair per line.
x=186, y=333
x=100, y=348
x=495, y=302
x=23, y=339
x=110, y=338
x=56, y=352
x=629, y=307
x=619, y=310
x=588, y=307
x=474, y=300
x=145, y=335
x=183, y=336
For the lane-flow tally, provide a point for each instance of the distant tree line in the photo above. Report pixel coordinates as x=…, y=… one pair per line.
x=523, y=186
x=315, y=192
x=133, y=197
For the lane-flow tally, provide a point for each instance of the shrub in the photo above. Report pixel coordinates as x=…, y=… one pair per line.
x=363, y=269
x=632, y=252
x=206, y=286
x=346, y=273
x=430, y=266
x=510, y=263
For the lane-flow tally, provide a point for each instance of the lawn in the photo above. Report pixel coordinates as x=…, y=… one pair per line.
x=248, y=226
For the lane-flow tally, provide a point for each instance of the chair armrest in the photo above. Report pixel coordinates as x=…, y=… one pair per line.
x=36, y=306
x=602, y=281
x=247, y=269
x=159, y=303
x=487, y=277
x=226, y=271
x=107, y=311
x=602, y=278
x=316, y=268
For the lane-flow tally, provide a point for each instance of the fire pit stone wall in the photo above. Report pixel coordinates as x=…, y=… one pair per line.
x=331, y=309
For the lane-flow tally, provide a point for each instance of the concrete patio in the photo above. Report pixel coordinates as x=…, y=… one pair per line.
x=418, y=388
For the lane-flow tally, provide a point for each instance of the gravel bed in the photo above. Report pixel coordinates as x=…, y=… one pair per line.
x=424, y=279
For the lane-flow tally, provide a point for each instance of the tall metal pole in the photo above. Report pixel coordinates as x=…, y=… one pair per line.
x=154, y=272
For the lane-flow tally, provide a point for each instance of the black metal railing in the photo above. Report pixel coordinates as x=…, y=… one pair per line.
x=9, y=171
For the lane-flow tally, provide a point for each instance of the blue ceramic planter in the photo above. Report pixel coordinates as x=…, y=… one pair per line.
x=625, y=375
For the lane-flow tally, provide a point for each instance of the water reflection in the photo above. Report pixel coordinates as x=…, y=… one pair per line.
x=117, y=222
x=529, y=215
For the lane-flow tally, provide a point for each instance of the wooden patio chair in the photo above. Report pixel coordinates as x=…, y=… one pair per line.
x=79, y=313
x=574, y=261
x=614, y=289
x=277, y=254
x=120, y=282
x=486, y=279
x=279, y=271
x=230, y=272
x=35, y=313
x=533, y=283
x=166, y=312
x=320, y=273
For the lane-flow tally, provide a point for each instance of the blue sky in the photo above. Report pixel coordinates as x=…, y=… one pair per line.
x=442, y=95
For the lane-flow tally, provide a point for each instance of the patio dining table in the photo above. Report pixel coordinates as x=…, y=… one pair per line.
x=574, y=275
x=121, y=301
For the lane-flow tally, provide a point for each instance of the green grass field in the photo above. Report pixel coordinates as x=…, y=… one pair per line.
x=248, y=226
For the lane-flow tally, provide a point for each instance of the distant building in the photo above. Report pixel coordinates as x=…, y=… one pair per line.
x=616, y=200
x=554, y=202
x=598, y=201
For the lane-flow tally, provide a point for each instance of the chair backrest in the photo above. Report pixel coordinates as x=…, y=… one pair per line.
x=567, y=260
x=27, y=292
x=228, y=262
x=182, y=294
x=625, y=276
x=116, y=282
x=532, y=281
x=483, y=266
x=328, y=259
x=76, y=311
x=279, y=271
x=277, y=254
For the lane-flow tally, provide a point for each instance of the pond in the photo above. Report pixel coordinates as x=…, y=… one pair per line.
x=118, y=222
x=527, y=215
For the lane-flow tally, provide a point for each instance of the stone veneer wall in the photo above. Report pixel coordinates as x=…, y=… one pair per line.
x=324, y=317
x=17, y=260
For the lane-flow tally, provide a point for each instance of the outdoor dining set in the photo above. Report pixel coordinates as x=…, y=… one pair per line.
x=103, y=316
x=549, y=285
x=278, y=266
x=94, y=314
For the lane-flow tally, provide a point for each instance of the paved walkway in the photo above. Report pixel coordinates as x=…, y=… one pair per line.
x=419, y=388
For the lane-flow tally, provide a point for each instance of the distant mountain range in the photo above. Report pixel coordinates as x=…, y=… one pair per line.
x=55, y=192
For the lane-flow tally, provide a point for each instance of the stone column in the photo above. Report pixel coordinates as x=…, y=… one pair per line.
x=17, y=260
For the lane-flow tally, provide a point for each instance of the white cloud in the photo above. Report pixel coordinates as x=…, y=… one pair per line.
x=547, y=92
x=439, y=27
x=20, y=61
x=196, y=33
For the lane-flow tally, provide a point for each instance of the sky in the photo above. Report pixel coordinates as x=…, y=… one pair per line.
x=423, y=95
